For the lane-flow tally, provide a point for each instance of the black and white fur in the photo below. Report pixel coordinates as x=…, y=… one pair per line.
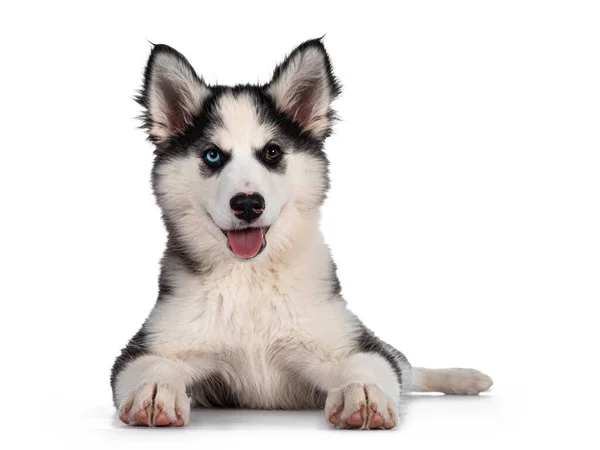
x=272, y=331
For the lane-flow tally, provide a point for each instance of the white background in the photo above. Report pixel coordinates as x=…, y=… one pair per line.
x=464, y=214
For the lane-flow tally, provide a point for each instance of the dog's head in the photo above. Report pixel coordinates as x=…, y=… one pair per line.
x=239, y=166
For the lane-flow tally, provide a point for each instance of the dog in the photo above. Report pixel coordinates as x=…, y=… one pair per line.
x=249, y=311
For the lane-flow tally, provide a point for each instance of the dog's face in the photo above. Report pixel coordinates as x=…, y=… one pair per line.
x=237, y=167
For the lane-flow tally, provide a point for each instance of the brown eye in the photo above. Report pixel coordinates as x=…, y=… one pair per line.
x=272, y=153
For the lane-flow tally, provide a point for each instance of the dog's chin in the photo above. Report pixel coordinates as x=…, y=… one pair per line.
x=246, y=243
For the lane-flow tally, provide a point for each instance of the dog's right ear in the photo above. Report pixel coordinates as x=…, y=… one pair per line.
x=172, y=94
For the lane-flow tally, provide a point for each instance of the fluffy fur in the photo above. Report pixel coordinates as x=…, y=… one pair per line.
x=270, y=330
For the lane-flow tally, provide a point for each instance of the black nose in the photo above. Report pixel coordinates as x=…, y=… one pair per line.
x=247, y=207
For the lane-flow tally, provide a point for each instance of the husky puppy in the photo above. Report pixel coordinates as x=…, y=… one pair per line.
x=249, y=311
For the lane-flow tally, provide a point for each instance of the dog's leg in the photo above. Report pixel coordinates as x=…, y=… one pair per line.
x=151, y=391
x=365, y=393
x=364, y=389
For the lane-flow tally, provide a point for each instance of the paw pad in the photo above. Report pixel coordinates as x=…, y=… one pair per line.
x=358, y=406
x=155, y=405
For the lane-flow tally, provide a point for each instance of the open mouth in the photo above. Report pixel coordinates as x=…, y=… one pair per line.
x=248, y=242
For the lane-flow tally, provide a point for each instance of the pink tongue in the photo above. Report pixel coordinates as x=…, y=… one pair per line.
x=245, y=243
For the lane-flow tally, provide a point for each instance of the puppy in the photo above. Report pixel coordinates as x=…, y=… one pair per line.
x=249, y=311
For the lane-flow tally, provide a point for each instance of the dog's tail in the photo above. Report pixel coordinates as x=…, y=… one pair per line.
x=449, y=381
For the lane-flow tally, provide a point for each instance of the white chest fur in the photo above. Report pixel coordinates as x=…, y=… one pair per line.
x=253, y=326
x=251, y=309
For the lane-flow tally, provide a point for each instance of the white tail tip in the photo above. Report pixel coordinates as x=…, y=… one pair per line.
x=450, y=381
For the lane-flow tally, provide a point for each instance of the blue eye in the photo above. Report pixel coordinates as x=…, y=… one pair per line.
x=213, y=157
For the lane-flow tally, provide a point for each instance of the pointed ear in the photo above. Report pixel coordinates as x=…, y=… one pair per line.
x=304, y=86
x=172, y=94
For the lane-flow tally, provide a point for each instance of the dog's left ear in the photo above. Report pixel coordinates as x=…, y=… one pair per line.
x=304, y=86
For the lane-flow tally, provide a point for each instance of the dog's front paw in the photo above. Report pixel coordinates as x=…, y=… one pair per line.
x=155, y=404
x=361, y=406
